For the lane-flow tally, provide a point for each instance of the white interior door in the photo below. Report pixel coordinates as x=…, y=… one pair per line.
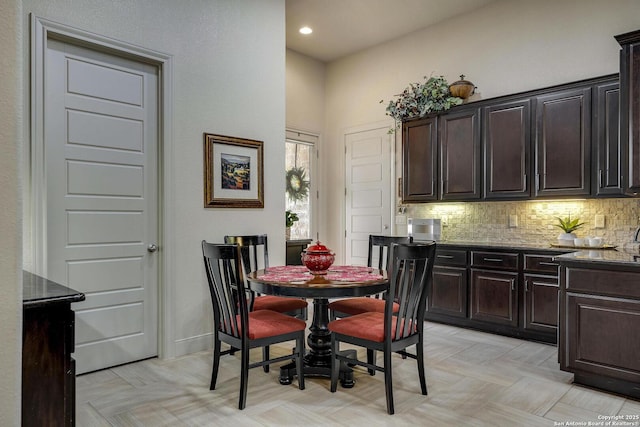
x=100, y=139
x=368, y=190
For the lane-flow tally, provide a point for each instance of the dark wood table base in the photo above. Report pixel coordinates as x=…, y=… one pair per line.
x=317, y=361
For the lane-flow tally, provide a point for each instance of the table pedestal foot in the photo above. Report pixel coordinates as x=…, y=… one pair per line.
x=314, y=366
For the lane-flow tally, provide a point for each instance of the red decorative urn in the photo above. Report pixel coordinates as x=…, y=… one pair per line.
x=318, y=258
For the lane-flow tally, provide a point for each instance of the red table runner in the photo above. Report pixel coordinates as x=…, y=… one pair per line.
x=337, y=273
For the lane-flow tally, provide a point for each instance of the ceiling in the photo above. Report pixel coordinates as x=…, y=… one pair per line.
x=342, y=27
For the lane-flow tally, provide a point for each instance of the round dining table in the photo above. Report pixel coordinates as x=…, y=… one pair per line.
x=338, y=282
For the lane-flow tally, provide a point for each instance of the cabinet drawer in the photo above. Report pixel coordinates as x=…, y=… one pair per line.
x=540, y=264
x=603, y=282
x=501, y=260
x=451, y=257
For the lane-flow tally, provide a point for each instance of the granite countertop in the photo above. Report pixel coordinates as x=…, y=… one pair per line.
x=38, y=291
x=520, y=246
x=611, y=258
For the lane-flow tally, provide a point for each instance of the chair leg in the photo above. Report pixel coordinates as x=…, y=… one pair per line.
x=371, y=359
x=265, y=357
x=244, y=376
x=335, y=364
x=299, y=360
x=216, y=363
x=420, y=357
x=388, y=384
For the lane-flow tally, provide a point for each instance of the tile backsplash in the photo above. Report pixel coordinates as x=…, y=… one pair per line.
x=532, y=221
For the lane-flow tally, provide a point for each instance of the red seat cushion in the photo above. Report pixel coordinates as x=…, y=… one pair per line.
x=368, y=326
x=279, y=304
x=267, y=323
x=353, y=306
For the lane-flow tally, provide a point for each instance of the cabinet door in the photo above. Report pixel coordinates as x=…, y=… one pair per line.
x=563, y=143
x=601, y=336
x=607, y=178
x=420, y=160
x=494, y=297
x=541, y=303
x=506, y=147
x=459, y=142
x=448, y=293
x=630, y=114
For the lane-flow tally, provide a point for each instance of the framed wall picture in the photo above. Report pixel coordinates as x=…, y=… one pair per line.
x=233, y=174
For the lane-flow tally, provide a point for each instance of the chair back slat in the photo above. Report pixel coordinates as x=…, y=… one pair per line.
x=254, y=250
x=410, y=275
x=226, y=282
x=379, y=249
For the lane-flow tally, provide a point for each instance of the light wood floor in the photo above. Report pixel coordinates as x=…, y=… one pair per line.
x=474, y=379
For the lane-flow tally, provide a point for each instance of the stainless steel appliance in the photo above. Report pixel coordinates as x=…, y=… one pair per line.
x=424, y=228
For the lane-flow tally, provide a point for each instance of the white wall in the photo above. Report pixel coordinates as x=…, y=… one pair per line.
x=305, y=79
x=229, y=78
x=506, y=47
x=10, y=213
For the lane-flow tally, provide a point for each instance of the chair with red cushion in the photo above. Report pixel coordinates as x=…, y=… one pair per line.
x=235, y=325
x=255, y=255
x=410, y=274
x=379, y=248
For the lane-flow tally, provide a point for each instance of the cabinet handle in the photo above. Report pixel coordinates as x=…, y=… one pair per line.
x=526, y=286
x=492, y=259
x=444, y=256
x=537, y=182
x=525, y=181
x=549, y=263
x=600, y=178
x=513, y=285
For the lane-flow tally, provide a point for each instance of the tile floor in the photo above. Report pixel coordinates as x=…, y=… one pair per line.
x=474, y=379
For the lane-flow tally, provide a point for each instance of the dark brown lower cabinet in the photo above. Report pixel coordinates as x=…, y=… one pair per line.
x=504, y=291
x=448, y=293
x=599, y=328
x=494, y=297
x=541, y=303
x=596, y=347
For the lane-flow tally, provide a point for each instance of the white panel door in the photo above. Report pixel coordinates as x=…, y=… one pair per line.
x=101, y=170
x=368, y=190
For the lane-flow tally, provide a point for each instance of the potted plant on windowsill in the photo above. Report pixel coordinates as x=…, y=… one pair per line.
x=568, y=226
x=290, y=219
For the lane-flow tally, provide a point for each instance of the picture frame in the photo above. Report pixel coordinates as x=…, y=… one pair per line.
x=233, y=172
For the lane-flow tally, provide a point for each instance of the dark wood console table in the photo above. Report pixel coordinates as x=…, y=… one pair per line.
x=294, y=250
x=48, y=371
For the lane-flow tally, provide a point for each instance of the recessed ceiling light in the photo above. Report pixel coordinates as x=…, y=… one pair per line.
x=306, y=30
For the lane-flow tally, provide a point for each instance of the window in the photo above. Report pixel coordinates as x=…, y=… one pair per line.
x=300, y=185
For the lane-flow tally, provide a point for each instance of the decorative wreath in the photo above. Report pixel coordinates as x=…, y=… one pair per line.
x=297, y=185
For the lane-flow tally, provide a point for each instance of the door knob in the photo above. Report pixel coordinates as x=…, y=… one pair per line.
x=386, y=227
x=152, y=248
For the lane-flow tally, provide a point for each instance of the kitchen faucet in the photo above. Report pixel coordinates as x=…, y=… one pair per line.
x=636, y=235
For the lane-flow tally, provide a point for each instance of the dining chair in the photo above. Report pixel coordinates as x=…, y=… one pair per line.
x=242, y=329
x=410, y=275
x=379, y=250
x=255, y=255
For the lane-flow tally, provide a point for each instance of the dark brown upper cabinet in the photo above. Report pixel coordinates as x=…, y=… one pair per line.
x=459, y=144
x=420, y=160
x=563, y=143
x=630, y=110
x=607, y=173
x=506, y=150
